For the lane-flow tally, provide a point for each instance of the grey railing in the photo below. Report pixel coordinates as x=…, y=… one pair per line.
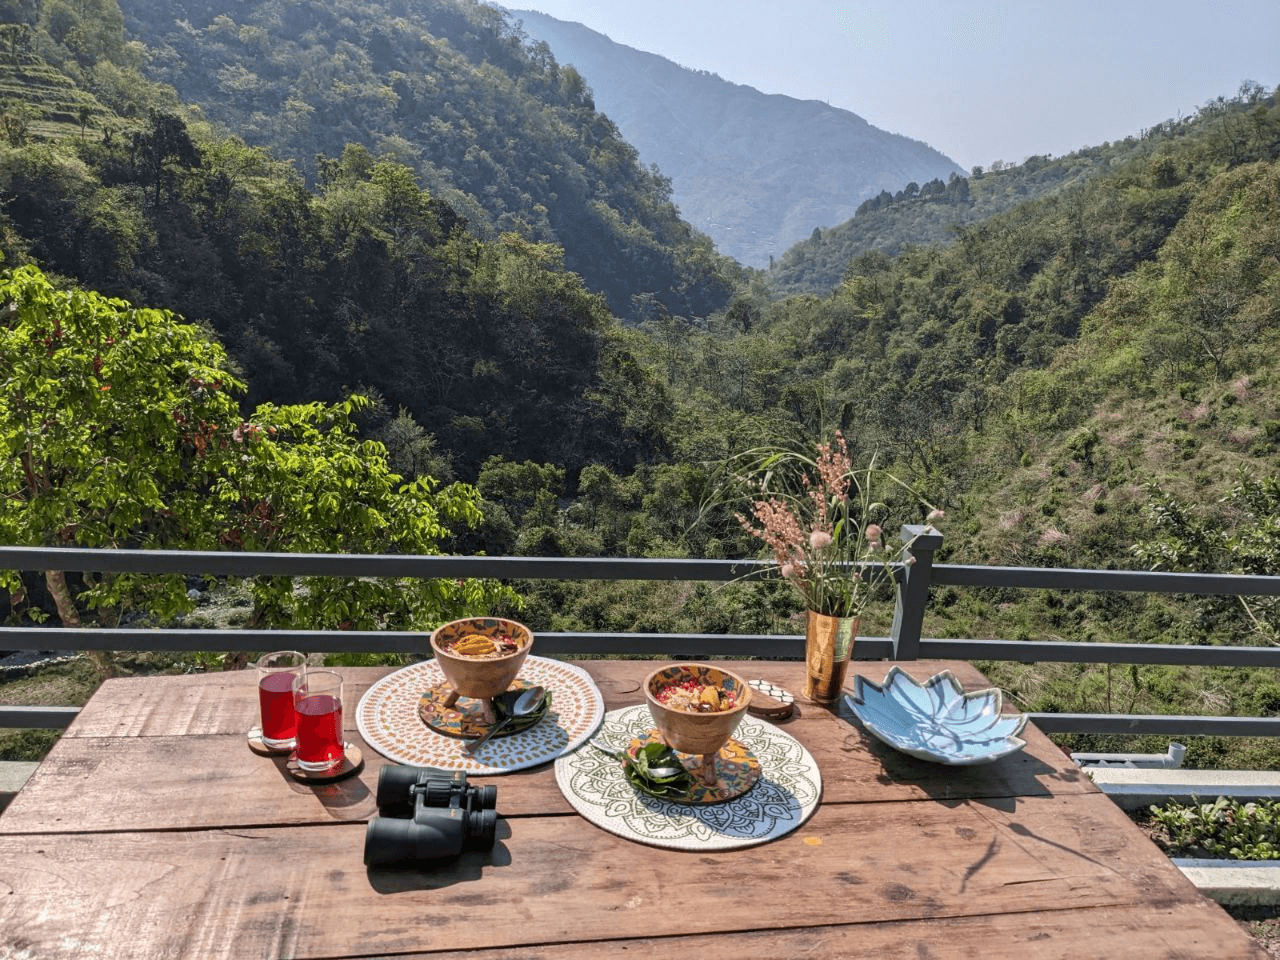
x=914, y=577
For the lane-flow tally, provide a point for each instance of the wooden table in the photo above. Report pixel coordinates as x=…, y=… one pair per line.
x=152, y=831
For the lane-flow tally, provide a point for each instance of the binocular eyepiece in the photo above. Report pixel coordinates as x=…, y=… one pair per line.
x=428, y=814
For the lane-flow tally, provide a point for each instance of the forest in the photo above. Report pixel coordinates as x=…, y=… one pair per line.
x=470, y=273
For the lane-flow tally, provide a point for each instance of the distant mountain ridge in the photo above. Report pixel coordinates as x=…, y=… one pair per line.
x=756, y=172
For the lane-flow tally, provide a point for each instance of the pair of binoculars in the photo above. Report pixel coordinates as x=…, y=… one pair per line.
x=428, y=814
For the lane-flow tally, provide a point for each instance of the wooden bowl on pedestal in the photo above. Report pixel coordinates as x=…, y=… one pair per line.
x=481, y=677
x=700, y=728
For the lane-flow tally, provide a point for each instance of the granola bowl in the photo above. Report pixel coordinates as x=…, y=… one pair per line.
x=696, y=709
x=481, y=656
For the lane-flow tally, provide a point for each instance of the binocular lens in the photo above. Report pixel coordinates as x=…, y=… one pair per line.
x=482, y=830
x=397, y=785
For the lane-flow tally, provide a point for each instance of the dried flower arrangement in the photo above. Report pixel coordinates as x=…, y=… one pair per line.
x=819, y=518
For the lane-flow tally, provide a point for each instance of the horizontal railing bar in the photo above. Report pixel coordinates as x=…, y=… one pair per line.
x=1066, y=651
x=1156, y=724
x=765, y=646
x=709, y=644
x=37, y=718
x=591, y=568
x=1134, y=581
x=196, y=563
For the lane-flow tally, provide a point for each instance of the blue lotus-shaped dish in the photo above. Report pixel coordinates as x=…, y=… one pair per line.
x=936, y=720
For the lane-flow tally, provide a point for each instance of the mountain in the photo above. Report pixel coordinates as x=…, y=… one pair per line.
x=756, y=172
x=510, y=140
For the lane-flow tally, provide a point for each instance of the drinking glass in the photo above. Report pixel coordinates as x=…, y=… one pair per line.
x=276, y=672
x=317, y=702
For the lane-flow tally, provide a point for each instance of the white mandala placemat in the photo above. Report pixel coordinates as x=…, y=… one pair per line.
x=784, y=798
x=387, y=718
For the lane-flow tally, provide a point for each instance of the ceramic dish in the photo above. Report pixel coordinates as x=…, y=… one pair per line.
x=936, y=720
x=739, y=769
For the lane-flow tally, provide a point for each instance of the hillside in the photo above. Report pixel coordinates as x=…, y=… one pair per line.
x=755, y=172
x=937, y=212
x=511, y=140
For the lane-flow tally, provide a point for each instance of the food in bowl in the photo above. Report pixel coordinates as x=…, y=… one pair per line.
x=480, y=647
x=696, y=696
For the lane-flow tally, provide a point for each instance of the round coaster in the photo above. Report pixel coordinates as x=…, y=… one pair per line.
x=465, y=719
x=737, y=770
x=771, y=702
x=259, y=746
x=352, y=761
x=786, y=795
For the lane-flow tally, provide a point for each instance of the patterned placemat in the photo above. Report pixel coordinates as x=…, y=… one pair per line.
x=387, y=718
x=785, y=796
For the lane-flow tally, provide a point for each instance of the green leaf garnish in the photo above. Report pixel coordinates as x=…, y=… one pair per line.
x=653, y=756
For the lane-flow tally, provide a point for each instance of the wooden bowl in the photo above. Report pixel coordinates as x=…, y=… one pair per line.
x=689, y=732
x=481, y=679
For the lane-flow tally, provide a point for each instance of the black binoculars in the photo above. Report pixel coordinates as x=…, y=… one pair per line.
x=428, y=814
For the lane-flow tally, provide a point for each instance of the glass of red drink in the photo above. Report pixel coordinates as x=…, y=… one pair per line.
x=317, y=703
x=275, y=695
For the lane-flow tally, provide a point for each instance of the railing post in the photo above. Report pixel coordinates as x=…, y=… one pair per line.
x=913, y=588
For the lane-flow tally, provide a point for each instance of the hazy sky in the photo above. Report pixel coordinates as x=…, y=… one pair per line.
x=981, y=80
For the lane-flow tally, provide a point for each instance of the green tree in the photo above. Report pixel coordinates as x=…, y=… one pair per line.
x=108, y=419
x=1239, y=534
x=118, y=428
x=157, y=150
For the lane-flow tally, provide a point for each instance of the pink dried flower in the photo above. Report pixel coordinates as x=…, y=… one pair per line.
x=814, y=515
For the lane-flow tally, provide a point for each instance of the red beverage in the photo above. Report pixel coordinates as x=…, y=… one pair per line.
x=275, y=695
x=319, y=730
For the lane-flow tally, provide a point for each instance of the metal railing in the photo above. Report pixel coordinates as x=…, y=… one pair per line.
x=905, y=642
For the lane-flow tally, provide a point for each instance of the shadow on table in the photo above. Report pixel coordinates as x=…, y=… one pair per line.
x=445, y=872
x=1020, y=774
x=344, y=800
x=999, y=785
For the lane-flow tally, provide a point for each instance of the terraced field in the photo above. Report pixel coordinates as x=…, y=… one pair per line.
x=52, y=105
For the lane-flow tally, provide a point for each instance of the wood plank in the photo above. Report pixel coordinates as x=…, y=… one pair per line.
x=196, y=703
x=1189, y=931
x=304, y=892
x=204, y=703
x=139, y=783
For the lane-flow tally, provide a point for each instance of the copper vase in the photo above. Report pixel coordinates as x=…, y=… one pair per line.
x=828, y=646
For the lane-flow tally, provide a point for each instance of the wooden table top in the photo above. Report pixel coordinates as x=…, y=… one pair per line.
x=152, y=831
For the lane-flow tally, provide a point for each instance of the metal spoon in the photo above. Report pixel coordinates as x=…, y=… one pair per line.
x=658, y=772
x=526, y=703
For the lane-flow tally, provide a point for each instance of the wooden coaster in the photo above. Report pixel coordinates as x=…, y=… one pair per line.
x=737, y=770
x=259, y=746
x=352, y=761
x=769, y=702
x=463, y=717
